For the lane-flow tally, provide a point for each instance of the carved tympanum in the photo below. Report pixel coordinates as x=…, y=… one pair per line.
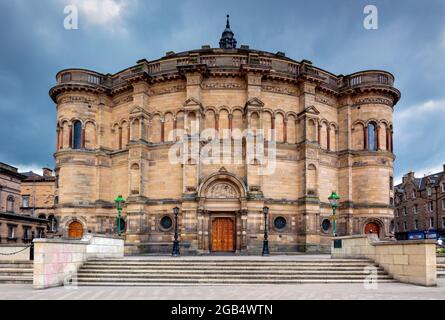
x=222, y=191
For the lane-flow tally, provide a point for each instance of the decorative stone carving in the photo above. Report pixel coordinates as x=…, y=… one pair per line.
x=172, y=89
x=223, y=85
x=279, y=90
x=384, y=101
x=222, y=191
x=76, y=100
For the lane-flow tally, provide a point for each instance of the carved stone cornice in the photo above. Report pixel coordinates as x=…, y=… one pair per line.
x=75, y=87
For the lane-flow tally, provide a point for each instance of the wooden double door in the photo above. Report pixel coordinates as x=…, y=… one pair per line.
x=223, y=235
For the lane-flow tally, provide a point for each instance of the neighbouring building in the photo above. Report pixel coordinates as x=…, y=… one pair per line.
x=16, y=226
x=116, y=133
x=38, y=200
x=420, y=206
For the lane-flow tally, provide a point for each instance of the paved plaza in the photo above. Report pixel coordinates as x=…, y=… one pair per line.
x=385, y=291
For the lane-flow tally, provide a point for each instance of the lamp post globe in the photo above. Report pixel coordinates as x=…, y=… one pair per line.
x=265, y=241
x=119, y=201
x=334, y=199
x=175, y=250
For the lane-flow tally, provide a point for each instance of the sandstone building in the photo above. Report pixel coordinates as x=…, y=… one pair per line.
x=15, y=225
x=332, y=132
x=420, y=206
x=37, y=193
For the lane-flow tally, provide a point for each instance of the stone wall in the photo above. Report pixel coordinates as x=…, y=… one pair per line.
x=56, y=261
x=407, y=261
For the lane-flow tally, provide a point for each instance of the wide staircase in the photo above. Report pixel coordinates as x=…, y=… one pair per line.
x=16, y=272
x=208, y=271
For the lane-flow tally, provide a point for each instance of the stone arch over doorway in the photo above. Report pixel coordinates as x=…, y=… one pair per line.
x=222, y=213
x=75, y=229
x=373, y=226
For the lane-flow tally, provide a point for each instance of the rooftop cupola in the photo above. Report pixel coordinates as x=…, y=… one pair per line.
x=228, y=40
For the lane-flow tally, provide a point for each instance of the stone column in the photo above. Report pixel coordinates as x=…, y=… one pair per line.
x=57, y=138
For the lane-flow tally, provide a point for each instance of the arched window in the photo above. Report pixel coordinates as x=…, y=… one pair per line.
x=10, y=204
x=372, y=137
x=77, y=135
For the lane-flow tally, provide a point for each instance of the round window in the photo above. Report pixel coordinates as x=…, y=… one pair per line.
x=166, y=223
x=326, y=225
x=280, y=223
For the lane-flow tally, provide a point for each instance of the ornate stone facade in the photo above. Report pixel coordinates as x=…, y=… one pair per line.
x=114, y=133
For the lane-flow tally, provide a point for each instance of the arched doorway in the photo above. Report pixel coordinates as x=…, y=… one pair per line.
x=75, y=230
x=222, y=210
x=372, y=228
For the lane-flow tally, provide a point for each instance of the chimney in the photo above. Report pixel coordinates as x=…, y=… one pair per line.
x=47, y=172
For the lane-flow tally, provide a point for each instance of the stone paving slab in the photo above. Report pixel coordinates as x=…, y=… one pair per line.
x=384, y=291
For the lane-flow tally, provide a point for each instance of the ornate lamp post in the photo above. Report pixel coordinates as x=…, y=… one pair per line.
x=334, y=199
x=119, y=204
x=175, y=251
x=265, y=241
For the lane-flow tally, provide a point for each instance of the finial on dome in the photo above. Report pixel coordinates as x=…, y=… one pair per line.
x=228, y=40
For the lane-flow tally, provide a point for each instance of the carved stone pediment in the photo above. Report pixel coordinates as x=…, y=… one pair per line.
x=310, y=110
x=255, y=102
x=222, y=190
x=193, y=104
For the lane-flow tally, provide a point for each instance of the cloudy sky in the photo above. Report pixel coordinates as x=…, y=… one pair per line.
x=114, y=34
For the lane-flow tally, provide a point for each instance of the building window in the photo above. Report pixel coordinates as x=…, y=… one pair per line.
x=404, y=211
x=431, y=223
x=405, y=226
x=391, y=201
x=25, y=201
x=416, y=224
x=443, y=187
x=372, y=146
x=280, y=223
x=414, y=194
x=397, y=213
x=12, y=232
x=166, y=223
x=56, y=200
x=430, y=206
x=443, y=222
x=77, y=135
x=429, y=191
x=443, y=204
x=391, y=183
x=416, y=209
x=10, y=204
x=40, y=233
x=326, y=225
x=26, y=234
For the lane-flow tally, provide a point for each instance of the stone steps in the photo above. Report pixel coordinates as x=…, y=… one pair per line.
x=441, y=270
x=208, y=271
x=16, y=272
